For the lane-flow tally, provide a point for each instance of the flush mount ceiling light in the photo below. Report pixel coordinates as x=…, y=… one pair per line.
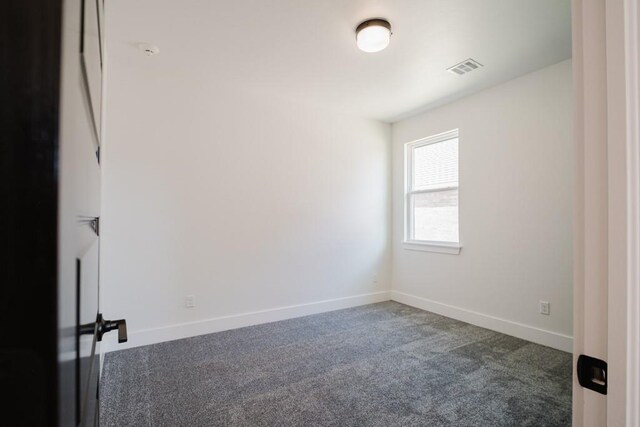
x=373, y=35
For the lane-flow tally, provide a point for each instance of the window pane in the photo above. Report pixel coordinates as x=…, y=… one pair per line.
x=435, y=216
x=435, y=165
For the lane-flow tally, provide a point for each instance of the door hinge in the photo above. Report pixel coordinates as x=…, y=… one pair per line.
x=95, y=225
x=592, y=373
x=92, y=221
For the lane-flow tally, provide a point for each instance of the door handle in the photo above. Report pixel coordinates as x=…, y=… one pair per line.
x=110, y=325
x=102, y=326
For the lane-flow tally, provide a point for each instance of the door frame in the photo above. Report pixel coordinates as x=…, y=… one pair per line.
x=631, y=14
x=624, y=216
x=607, y=206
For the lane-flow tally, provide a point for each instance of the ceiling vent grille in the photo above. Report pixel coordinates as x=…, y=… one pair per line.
x=465, y=67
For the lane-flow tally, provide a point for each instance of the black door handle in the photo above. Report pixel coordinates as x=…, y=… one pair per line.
x=101, y=327
x=110, y=325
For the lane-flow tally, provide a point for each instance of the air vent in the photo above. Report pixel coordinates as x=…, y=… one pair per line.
x=465, y=67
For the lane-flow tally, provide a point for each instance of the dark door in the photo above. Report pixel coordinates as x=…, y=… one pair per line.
x=29, y=93
x=50, y=119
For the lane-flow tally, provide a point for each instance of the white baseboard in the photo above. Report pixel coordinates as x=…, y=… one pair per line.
x=218, y=324
x=529, y=333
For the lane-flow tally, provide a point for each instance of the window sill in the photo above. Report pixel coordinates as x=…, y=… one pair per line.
x=443, y=248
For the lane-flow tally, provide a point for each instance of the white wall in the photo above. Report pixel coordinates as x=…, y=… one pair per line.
x=245, y=201
x=516, y=186
x=253, y=203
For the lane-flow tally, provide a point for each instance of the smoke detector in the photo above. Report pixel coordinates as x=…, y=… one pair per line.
x=148, y=49
x=465, y=67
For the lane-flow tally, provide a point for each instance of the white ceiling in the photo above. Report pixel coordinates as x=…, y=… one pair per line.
x=305, y=49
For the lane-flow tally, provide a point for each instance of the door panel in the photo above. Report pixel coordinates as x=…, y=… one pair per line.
x=88, y=361
x=78, y=305
x=91, y=51
x=50, y=186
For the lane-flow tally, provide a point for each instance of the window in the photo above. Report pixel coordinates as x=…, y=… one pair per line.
x=431, y=201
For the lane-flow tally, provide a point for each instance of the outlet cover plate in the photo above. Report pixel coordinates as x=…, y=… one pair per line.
x=190, y=301
x=545, y=308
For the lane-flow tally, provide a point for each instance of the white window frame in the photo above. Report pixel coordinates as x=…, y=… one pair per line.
x=427, y=245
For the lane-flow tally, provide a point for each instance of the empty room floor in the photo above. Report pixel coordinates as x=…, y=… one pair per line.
x=383, y=364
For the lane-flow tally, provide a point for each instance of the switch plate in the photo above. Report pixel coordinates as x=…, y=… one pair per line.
x=190, y=301
x=545, y=308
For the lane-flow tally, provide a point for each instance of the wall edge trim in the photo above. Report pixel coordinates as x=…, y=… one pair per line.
x=508, y=327
x=223, y=323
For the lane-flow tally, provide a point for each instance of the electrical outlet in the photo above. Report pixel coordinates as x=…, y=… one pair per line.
x=375, y=278
x=190, y=301
x=545, y=308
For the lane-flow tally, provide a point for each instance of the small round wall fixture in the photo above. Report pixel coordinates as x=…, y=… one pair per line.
x=373, y=35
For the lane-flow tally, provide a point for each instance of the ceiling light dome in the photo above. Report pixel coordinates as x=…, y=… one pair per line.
x=373, y=35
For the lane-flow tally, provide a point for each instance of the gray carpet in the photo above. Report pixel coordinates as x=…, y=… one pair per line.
x=383, y=364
